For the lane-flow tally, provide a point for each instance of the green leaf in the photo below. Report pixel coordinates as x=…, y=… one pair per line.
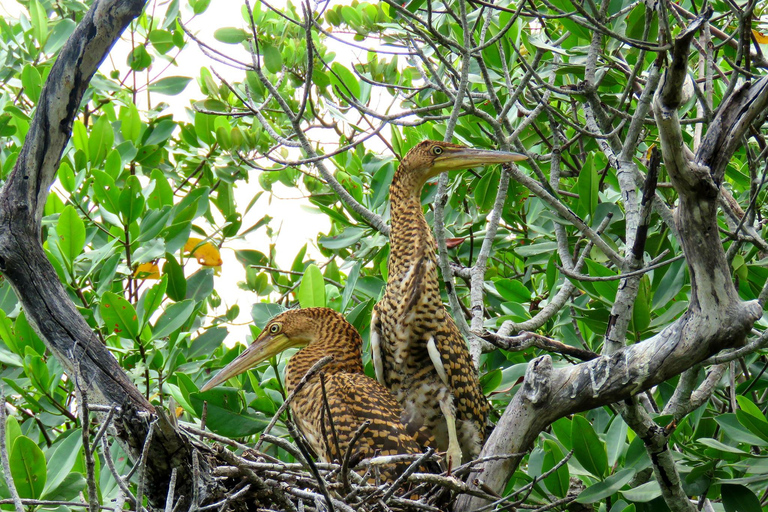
x=221, y=419
x=100, y=141
x=559, y=481
x=273, y=61
x=63, y=460
x=39, y=19
x=641, y=311
x=207, y=342
x=130, y=123
x=485, y=192
x=66, y=177
x=616, y=440
x=738, y=498
x=512, y=290
x=28, y=468
x=32, y=83
x=344, y=80
x=162, y=40
x=231, y=35
x=349, y=286
x=177, y=283
x=105, y=191
x=588, y=449
x=312, y=288
x=170, y=86
x=644, y=493
x=80, y=136
x=173, y=318
x=71, y=234
x=607, y=487
x=588, y=187
x=200, y=285
x=150, y=300
x=162, y=193
x=757, y=426
x=131, y=201
x=139, y=59
x=262, y=313
x=59, y=35
x=119, y=316
x=69, y=489
x=12, y=431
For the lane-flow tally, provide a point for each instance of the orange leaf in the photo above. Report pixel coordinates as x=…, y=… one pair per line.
x=760, y=37
x=206, y=253
x=450, y=243
x=147, y=271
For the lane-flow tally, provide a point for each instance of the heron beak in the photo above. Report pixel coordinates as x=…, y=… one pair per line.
x=454, y=159
x=263, y=348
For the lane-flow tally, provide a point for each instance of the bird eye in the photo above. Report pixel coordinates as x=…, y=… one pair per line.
x=274, y=328
x=437, y=150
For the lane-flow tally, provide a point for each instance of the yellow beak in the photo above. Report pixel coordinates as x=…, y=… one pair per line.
x=453, y=159
x=263, y=348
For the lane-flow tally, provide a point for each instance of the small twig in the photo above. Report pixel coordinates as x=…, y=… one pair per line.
x=90, y=465
x=142, y=464
x=311, y=463
x=4, y=457
x=584, y=277
x=348, y=455
x=408, y=472
x=111, y=465
x=171, y=489
x=527, y=339
x=102, y=429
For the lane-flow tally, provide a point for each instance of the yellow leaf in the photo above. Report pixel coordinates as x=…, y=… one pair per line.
x=192, y=243
x=147, y=271
x=760, y=37
x=179, y=411
x=206, y=253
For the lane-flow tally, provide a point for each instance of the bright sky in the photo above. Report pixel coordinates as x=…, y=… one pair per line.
x=296, y=226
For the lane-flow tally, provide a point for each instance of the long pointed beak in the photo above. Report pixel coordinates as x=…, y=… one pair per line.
x=454, y=159
x=263, y=348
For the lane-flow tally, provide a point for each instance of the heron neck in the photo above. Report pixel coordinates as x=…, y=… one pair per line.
x=410, y=233
x=342, y=342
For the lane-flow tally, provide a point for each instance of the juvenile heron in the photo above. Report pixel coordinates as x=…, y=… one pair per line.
x=418, y=351
x=351, y=396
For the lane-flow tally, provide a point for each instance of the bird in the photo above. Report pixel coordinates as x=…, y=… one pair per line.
x=352, y=397
x=418, y=351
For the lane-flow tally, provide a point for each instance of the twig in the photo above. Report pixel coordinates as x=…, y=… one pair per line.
x=4, y=458
x=171, y=489
x=408, y=472
x=528, y=339
x=348, y=455
x=90, y=465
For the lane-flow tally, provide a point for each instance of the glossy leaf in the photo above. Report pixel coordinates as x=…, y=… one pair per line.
x=588, y=449
x=119, y=316
x=311, y=292
x=28, y=468
x=71, y=234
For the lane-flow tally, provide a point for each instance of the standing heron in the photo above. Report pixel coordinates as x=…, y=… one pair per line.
x=350, y=395
x=418, y=352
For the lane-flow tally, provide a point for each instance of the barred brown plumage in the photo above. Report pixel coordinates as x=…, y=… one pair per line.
x=351, y=396
x=418, y=351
